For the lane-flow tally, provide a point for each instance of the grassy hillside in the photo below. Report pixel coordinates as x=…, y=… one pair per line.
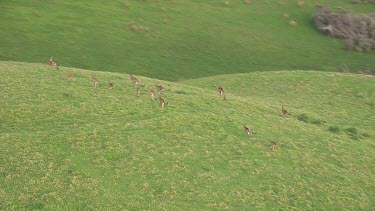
x=67, y=145
x=174, y=39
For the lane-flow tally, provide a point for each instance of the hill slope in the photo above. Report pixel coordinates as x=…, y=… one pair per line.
x=174, y=40
x=66, y=145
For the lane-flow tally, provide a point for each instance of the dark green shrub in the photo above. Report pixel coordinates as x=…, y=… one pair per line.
x=366, y=135
x=303, y=118
x=351, y=131
x=317, y=122
x=334, y=129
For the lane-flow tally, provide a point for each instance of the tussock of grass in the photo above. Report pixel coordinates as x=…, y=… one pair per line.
x=334, y=129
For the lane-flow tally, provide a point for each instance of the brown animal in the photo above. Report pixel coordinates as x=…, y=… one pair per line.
x=152, y=93
x=248, y=131
x=94, y=80
x=134, y=80
x=110, y=86
x=137, y=91
x=284, y=111
x=162, y=102
x=220, y=90
x=273, y=144
x=70, y=76
x=160, y=88
x=52, y=63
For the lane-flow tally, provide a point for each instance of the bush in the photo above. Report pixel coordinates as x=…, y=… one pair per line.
x=317, y=122
x=334, y=129
x=303, y=118
x=358, y=30
x=351, y=131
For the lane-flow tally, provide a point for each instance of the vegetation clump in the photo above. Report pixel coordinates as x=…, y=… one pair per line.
x=363, y=2
x=334, y=129
x=358, y=30
x=307, y=119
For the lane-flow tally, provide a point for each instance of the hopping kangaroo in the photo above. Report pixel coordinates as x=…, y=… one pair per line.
x=152, y=93
x=137, y=91
x=52, y=63
x=162, y=102
x=134, y=80
x=110, y=86
x=284, y=111
x=220, y=90
x=273, y=144
x=94, y=80
x=160, y=88
x=248, y=131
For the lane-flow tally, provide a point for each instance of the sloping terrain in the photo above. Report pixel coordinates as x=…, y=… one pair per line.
x=67, y=145
x=175, y=39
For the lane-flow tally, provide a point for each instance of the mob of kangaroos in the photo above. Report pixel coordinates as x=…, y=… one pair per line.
x=160, y=89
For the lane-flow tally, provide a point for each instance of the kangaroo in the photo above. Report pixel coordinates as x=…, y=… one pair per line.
x=284, y=111
x=134, y=80
x=248, y=131
x=152, y=93
x=70, y=76
x=273, y=144
x=94, y=80
x=52, y=63
x=137, y=91
x=162, y=102
x=220, y=90
x=110, y=86
x=160, y=88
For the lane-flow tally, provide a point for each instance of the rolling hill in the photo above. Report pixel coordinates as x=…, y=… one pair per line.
x=66, y=145
x=175, y=39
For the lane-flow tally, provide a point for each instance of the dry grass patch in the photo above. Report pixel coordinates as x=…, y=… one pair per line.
x=293, y=23
x=132, y=26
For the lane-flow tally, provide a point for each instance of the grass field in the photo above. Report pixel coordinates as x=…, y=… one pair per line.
x=66, y=145
x=175, y=39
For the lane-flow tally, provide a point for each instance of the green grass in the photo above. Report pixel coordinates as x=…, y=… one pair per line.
x=66, y=145
x=175, y=40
